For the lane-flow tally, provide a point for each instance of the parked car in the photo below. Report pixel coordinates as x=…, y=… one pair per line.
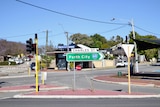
x=121, y=63
x=33, y=66
x=11, y=60
x=16, y=60
x=27, y=59
x=78, y=67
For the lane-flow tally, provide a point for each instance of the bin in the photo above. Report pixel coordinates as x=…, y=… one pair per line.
x=119, y=74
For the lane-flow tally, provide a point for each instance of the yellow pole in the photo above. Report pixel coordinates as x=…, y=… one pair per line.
x=42, y=78
x=29, y=71
x=129, y=76
x=36, y=41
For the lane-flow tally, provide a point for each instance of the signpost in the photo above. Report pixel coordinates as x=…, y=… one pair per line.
x=128, y=48
x=81, y=57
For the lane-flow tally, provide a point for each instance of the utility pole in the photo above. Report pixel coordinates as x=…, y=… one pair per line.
x=67, y=41
x=135, y=45
x=135, y=48
x=46, y=41
x=67, y=49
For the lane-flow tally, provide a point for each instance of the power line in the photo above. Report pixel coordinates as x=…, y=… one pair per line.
x=52, y=35
x=103, y=31
x=64, y=14
x=145, y=30
x=113, y=29
x=22, y=35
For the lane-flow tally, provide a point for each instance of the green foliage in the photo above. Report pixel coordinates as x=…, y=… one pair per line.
x=4, y=63
x=81, y=39
x=43, y=65
x=7, y=63
x=71, y=65
x=94, y=41
x=97, y=37
x=46, y=60
x=150, y=53
x=98, y=41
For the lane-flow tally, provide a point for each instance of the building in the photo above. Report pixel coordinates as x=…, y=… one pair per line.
x=60, y=55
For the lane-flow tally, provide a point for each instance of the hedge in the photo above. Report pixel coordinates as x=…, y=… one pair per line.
x=7, y=63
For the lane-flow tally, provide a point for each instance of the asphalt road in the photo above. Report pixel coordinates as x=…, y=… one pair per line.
x=146, y=102
x=83, y=80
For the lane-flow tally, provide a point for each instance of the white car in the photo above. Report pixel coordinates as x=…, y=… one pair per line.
x=121, y=63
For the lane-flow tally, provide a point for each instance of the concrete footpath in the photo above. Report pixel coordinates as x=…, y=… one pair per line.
x=56, y=91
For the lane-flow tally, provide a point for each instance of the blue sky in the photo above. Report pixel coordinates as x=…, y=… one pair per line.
x=19, y=21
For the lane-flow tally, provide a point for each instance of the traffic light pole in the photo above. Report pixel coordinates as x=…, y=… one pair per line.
x=36, y=42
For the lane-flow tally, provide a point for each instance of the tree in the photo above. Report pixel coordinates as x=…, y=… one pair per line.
x=118, y=39
x=99, y=41
x=97, y=37
x=11, y=48
x=81, y=39
x=149, y=53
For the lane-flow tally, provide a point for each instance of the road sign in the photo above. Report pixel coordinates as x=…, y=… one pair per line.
x=89, y=56
x=128, y=48
x=84, y=50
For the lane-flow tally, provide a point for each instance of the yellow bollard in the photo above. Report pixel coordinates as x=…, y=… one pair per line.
x=29, y=71
x=42, y=78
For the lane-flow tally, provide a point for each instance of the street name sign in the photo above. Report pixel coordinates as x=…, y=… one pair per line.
x=84, y=50
x=79, y=57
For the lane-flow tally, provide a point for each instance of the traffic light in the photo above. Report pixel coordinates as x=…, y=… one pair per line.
x=29, y=45
x=34, y=48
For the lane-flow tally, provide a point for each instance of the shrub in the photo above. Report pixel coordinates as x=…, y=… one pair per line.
x=7, y=63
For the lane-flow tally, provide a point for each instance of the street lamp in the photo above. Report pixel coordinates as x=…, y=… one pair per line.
x=131, y=23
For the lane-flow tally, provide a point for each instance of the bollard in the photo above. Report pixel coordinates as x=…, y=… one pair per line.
x=29, y=71
x=119, y=74
x=38, y=87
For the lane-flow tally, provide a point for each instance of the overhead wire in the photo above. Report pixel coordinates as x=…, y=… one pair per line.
x=64, y=14
x=113, y=29
x=86, y=19
x=20, y=35
x=146, y=30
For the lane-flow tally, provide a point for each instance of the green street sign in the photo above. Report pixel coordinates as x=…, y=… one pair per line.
x=79, y=57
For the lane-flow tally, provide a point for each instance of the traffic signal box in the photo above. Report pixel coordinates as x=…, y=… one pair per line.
x=30, y=47
x=34, y=48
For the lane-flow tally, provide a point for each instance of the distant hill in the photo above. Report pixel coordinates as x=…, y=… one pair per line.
x=11, y=48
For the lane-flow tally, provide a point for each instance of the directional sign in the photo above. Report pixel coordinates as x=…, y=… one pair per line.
x=89, y=56
x=128, y=48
